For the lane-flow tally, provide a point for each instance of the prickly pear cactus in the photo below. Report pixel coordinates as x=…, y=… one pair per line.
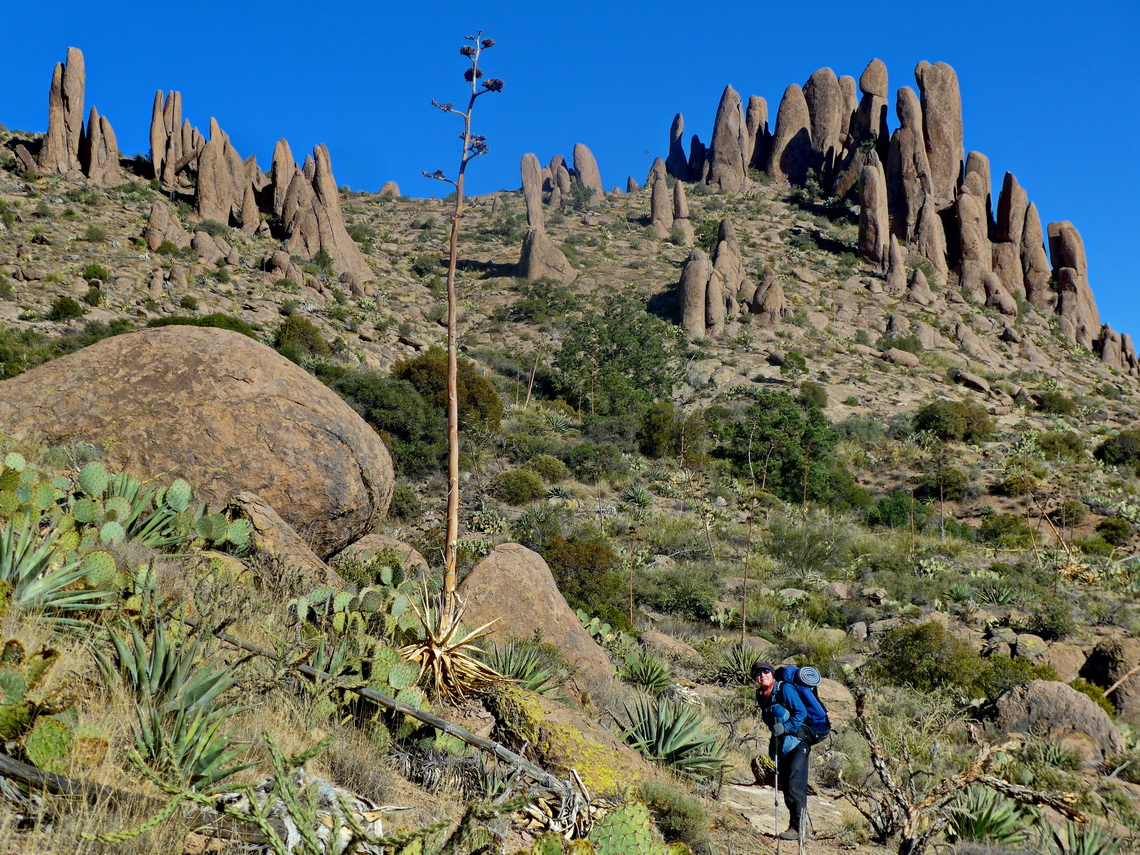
x=35, y=720
x=93, y=479
x=630, y=831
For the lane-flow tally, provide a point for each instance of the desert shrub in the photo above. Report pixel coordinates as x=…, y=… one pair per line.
x=96, y=271
x=1122, y=449
x=1095, y=693
x=95, y=234
x=478, y=402
x=1071, y=512
x=1116, y=531
x=405, y=503
x=1017, y=482
x=216, y=319
x=1007, y=531
x=999, y=674
x=167, y=247
x=589, y=576
x=589, y=461
x=550, y=468
x=298, y=339
x=1093, y=544
x=64, y=309
x=665, y=431
x=188, y=301
x=925, y=656
x=414, y=430
x=686, y=590
x=212, y=228
x=1060, y=443
x=812, y=394
x=518, y=486
x=680, y=817
x=909, y=343
x=1057, y=403
x=943, y=480
x=93, y=296
x=954, y=420
x=897, y=510
x=815, y=542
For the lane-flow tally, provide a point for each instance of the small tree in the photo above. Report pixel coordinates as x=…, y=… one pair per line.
x=474, y=145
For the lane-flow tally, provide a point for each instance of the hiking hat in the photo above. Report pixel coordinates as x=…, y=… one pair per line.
x=760, y=667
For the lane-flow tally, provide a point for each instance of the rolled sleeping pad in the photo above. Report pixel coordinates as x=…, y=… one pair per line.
x=808, y=676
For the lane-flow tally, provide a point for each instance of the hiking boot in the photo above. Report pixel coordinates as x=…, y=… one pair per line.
x=790, y=834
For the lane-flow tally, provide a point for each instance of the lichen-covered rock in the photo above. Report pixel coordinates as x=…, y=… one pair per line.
x=220, y=410
x=562, y=739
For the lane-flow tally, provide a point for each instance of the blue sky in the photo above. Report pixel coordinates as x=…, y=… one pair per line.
x=1048, y=89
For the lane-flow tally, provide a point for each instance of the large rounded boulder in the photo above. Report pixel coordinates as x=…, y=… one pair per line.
x=1060, y=714
x=222, y=411
x=514, y=585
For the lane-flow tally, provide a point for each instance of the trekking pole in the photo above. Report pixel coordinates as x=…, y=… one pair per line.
x=776, y=798
x=803, y=813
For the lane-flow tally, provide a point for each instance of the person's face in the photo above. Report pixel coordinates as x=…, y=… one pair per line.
x=765, y=680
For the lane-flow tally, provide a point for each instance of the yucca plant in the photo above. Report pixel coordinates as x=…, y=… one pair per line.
x=637, y=496
x=986, y=816
x=35, y=577
x=527, y=664
x=1081, y=840
x=673, y=734
x=448, y=652
x=178, y=705
x=649, y=672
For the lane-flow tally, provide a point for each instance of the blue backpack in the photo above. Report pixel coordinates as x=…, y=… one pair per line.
x=804, y=681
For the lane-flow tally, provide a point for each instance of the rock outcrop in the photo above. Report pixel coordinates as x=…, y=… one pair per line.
x=825, y=105
x=99, y=152
x=908, y=168
x=691, y=293
x=514, y=585
x=1060, y=714
x=941, y=127
x=540, y=258
x=220, y=410
x=681, y=222
x=677, y=164
x=759, y=138
x=164, y=226
x=60, y=151
x=791, y=152
x=660, y=200
x=586, y=172
x=1076, y=307
x=874, y=218
x=769, y=304
x=727, y=161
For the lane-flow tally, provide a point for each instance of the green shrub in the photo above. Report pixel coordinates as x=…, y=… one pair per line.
x=215, y=319
x=479, y=403
x=1055, y=402
x=188, y=302
x=96, y=271
x=405, y=503
x=212, y=228
x=999, y=674
x=954, y=420
x=414, y=430
x=897, y=510
x=1060, y=443
x=518, y=486
x=812, y=394
x=94, y=234
x=1007, y=531
x=94, y=296
x=589, y=461
x=1122, y=449
x=925, y=656
x=589, y=576
x=680, y=817
x=1116, y=531
x=64, y=309
x=167, y=248
x=550, y=468
x=1095, y=693
x=1093, y=544
x=298, y=339
x=909, y=343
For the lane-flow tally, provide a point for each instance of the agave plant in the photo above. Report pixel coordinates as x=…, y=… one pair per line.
x=674, y=734
x=637, y=496
x=986, y=816
x=649, y=672
x=448, y=651
x=38, y=580
x=528, y=664
x=733, y=666
x=1081, y=840
x=177, y=705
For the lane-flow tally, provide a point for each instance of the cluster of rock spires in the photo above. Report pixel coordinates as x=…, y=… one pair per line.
x=302, y=199
x=553, y=185
x=920, y=194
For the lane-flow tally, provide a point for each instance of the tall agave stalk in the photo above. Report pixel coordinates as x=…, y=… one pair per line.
x=473, y=146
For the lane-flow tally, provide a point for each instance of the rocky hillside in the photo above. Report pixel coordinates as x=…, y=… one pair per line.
x=809, y=394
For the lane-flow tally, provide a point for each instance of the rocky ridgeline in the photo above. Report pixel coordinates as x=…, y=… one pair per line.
x=921, y=196
x=302, y=199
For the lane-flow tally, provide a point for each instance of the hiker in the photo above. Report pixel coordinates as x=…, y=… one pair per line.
x=784, y=712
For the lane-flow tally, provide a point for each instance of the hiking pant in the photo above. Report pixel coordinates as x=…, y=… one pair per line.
x=792, y=779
